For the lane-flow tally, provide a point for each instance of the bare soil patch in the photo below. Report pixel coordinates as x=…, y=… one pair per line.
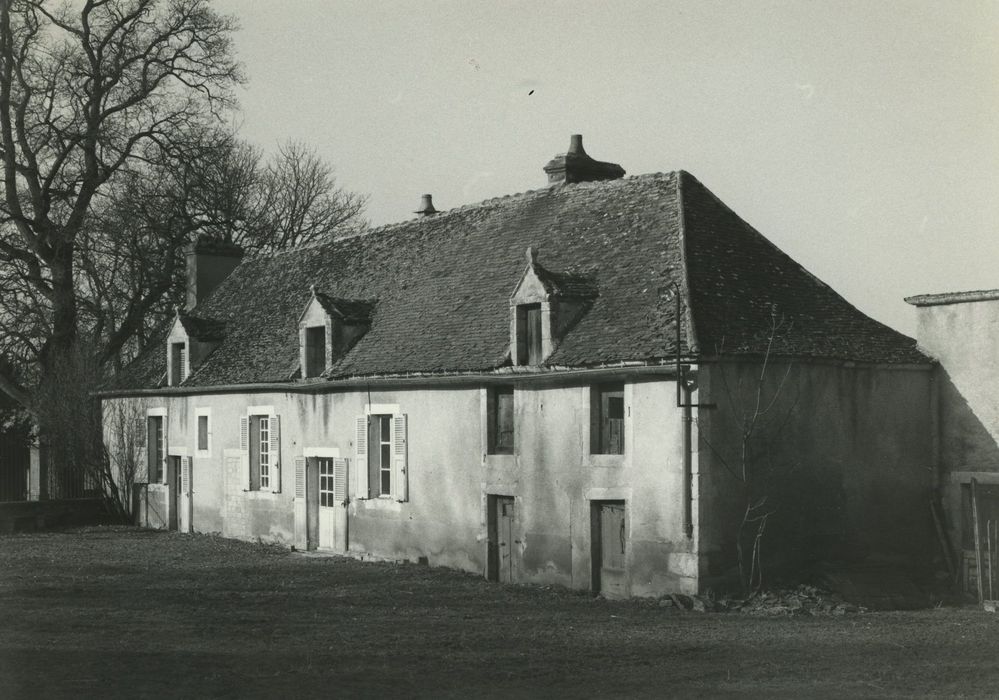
x=122, y=612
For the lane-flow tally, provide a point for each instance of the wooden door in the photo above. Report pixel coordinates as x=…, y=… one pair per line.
x=609, y=538
x=327, y=519
x=173, y=491
x=332, y=504
x=503, y=549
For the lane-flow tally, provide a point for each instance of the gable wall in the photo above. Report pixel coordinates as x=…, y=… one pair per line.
x=852, y=452
x=964, y=338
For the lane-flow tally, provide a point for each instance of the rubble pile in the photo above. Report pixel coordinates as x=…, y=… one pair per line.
x=802, y=600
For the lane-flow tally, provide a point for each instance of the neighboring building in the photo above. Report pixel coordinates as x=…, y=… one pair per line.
x=961, y=331
x=494, y=389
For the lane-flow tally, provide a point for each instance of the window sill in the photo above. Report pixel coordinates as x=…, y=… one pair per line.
x=383, y=503
x=261, y=495
x=203, y=454
x=604, y=460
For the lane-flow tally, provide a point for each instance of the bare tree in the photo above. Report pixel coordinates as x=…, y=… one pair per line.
x=85, y=90
x=760, y=412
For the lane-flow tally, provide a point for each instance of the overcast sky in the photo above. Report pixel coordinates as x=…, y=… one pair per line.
x=859, y=137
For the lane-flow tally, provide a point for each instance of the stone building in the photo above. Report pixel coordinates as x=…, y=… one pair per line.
x=549, y=387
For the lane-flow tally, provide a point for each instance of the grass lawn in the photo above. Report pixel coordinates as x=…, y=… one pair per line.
x=119, y=612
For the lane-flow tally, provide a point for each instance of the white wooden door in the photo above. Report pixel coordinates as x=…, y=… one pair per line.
x=327, y=507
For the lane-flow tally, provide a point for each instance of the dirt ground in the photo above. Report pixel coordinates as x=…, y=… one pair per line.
x=120, y=612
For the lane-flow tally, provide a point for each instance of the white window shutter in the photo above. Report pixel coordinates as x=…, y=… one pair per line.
x=400, y=466
x=183, y=362
x=299, y=477
x=185, y=475
x=275, y=450
x=141, y=450
x=361, y=453
x=244, y=433
x=340, y=480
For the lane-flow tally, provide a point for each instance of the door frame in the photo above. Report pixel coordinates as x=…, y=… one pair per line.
x=493, y=500
x=596, y=539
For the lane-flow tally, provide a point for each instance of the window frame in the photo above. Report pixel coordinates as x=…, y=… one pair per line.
x=200, y=413
x=600, y=397
x=493, y=419
x=156, y=452
x=178, y=354
x=315, y=358
x=378, y=425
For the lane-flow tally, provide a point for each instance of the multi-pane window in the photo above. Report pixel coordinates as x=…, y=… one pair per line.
x=380, y=455
x=529, y=334
x=154, y=445
x=264, y=452
x=607, y=419
x=326, y=482
x=499, y=413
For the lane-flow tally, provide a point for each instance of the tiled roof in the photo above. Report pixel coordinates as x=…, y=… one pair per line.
x=565, y=284
x=443, y=283
x=202, y=328
x=347, y=310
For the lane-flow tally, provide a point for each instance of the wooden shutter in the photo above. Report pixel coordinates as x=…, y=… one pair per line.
x=340, y=480
x=244, y=433
x=185, y=475
x=182, y=373
x=141, y=450
x=163, y=445
x=275, y=450
x=361, y=454
x=400, y=471
x=299, y=477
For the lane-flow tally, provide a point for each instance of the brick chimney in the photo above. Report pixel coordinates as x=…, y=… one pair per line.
x=209, y=262
x=576, y=166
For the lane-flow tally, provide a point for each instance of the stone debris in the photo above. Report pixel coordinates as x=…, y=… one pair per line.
x=802, y=600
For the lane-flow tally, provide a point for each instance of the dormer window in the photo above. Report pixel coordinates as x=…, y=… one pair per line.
x=529, y=344
x=191, y=340
x=315, y=351
x=178, y=363
x=544, y=306
x=328, y=328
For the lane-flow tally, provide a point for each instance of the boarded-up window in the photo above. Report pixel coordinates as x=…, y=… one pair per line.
x=607, y=419
x=529, y=334
x=178, y=363
x=315, y=351
x=500, y=419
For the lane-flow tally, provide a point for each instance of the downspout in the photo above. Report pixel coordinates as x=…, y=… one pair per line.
x=688, y=458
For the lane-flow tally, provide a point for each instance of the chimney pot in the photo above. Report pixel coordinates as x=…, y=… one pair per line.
x=576, y=145
x=426, y=206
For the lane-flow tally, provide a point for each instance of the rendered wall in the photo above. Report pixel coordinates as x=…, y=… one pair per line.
x=852, y=459
x=552, y=476
x=964, y=339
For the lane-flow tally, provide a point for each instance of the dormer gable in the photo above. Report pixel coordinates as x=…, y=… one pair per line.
x=190, y=341
x=544, y=306
x=328, y=328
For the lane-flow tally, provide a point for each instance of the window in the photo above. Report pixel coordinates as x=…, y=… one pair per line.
x=382, y=453
x=154, y=445
x=499, y=413
x=529, y=334
x=178, y=363
x=203, y=432
x=380, y=457
x=315, y=351
x=326, y=482
x=607, y=419
x=259, y=436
